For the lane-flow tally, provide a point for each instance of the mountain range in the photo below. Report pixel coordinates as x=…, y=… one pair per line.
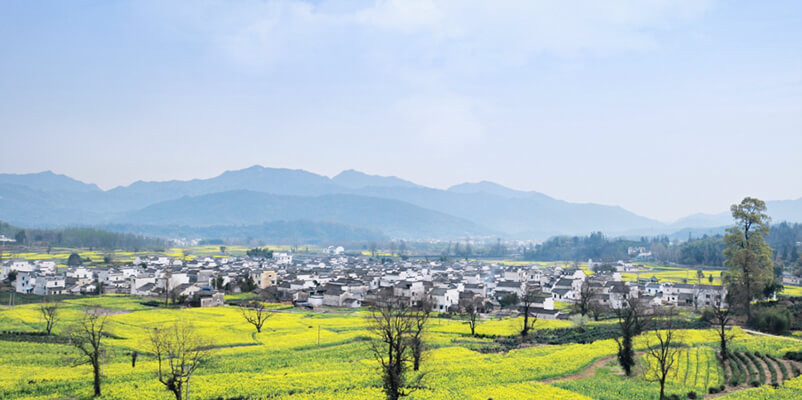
x=277, y=203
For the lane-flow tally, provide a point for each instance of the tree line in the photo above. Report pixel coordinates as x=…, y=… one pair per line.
x=706, y=250
x=80, y=238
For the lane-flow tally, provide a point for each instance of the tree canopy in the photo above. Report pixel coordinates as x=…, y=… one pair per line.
x=748, y=255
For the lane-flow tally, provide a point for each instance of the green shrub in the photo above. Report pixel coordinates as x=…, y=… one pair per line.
x=776, y=320
x=794, y=355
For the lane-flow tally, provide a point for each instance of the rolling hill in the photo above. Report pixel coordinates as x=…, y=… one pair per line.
x=378, y=204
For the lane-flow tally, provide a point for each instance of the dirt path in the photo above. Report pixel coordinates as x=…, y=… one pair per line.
x=588, y=372
x=769, y=334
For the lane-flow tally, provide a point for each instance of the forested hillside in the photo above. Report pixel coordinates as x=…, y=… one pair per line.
x=79, y=238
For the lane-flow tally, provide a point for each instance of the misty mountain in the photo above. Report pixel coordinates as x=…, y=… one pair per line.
x=389, y=205
x=241, y=207
x=268, y=180
x=537, y=216
x=703, y=220
x=494, y=189
x=356, y=180
x=47, y=181
x=24, y=206
x=778, y=210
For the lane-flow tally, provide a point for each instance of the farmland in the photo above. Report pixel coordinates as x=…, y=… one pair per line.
x=306, y=355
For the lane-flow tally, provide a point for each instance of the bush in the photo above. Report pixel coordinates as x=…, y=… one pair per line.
x=579, y=322
x=776, y=320
x=755, y=383
x=691, y=394
x=674, y=397
x=713, y=390
x=794, y=355
x=707, y=316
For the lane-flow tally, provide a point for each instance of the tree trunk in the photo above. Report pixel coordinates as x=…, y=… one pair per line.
x=177, y=390
x=526, y=324
x=96, y=370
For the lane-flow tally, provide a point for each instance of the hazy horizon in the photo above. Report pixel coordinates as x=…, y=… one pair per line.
x=725, y=209
x=665, y=108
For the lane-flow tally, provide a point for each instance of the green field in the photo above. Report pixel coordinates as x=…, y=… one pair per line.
x=288, y=360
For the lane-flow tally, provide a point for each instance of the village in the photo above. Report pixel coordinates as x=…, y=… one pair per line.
x=347, y=281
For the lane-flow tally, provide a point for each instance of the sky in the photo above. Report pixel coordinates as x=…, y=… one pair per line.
x=666, y=108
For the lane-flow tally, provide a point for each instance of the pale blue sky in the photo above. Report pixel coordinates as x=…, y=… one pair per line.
x=663, y=107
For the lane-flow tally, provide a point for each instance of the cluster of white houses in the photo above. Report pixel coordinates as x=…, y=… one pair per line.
x=337, y=280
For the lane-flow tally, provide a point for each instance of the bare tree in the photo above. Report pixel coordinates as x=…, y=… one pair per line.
x=420, y=316
x=722, y=317
x=390, y=322
x=631, y=323
x=662, y=350
x=256, y=314
x=179, y=350
x=49, y=311
x=597, y=308
x=528, y=300
x=472, y=309
x=86, y=336
x=168, y=275
x=585, y=299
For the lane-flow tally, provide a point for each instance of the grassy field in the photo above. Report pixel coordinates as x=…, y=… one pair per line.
x=304, y=355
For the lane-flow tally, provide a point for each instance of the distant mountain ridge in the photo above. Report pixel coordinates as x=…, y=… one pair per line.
x=357, y=180
x=242, y=207
x=492, y=188
x=365, y=204
x=48, y=181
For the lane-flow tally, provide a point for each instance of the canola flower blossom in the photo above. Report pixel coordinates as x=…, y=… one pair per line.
x=303, y=355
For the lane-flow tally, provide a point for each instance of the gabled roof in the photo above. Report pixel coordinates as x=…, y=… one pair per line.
x=620, y=289
x=564, y=282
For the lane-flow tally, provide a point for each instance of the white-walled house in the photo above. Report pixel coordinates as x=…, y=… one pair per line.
x=25, y=282
x=282, y=258
x=443, y=298
x=50, y=285
x=80, y=273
